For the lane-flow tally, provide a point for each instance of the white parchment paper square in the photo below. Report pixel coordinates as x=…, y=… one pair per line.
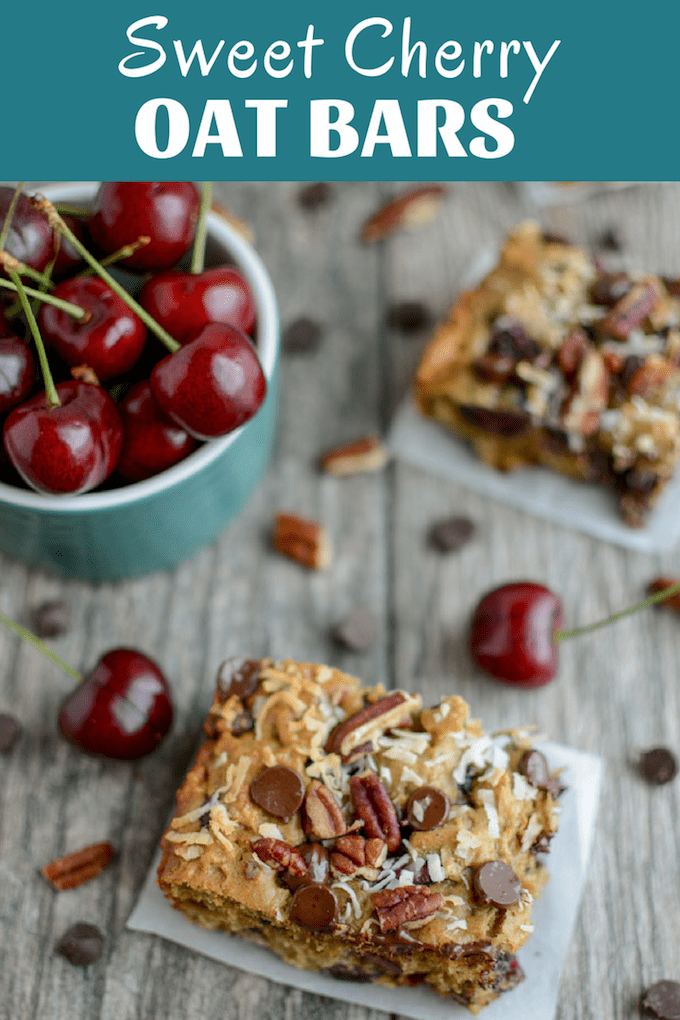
x=541, y=958
x=584, y=506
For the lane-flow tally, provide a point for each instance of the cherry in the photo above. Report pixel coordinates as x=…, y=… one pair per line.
x=152, y=441
x=164, y=211
x=70, y=448
x=123, y=709
x=513, y=634
x=109, y=340
x=29, y=237
x=211, y=385
x=183, y=303
x=17, y=372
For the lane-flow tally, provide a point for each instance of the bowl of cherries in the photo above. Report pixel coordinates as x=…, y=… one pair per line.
x=139, y=345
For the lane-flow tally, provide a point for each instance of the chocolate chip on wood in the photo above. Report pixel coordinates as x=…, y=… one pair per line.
x=82, y=944
x=658, y=766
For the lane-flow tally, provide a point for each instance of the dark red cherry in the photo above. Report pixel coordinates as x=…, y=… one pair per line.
x=68, y=260
x=152, y=442
x=121, y=710
x=165, y=211
x=17, y=372
x=68, y=449
x=211, y=385
x=109, y=342
x=186, y=302
x=30, y=235
x=512, y=634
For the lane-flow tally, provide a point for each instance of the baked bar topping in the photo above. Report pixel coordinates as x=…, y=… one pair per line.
x=551, y=360
x=378, y=827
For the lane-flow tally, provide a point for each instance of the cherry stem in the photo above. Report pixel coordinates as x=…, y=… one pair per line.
x=9, y=262
x=66, y=209
x=65, y=306
x=127, y=250
x=10, y=213
x=54, y=219
x=198, y=254
x=659, y=596
x=50, y=389
x=34, y=640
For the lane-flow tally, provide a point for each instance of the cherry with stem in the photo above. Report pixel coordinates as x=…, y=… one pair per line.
x=516, y=631
x=122, y=709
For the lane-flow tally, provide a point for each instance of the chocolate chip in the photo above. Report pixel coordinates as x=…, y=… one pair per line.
x=610, y=240
x=279, y=790
x=496, y=884
x=302, y=336
x=81, y=944
x=51, y=619
x=384, y=965
x=658, y=766
x=510, y=339
x=342, y=973
x=610, y=288
x=503, y=423
x=10, y=731
x=317, y=857
x=314, y=906
x=239, y=677
x=242, y=723
x=358, y=631
x=315, y=195
x=427, y=808
x=534, y=767
x=663, y=999
x=409, y=316
x=452, y=534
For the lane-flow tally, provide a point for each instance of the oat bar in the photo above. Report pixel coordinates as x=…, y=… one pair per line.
x=352, y=831
x=552, y=361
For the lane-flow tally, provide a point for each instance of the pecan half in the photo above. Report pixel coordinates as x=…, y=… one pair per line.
x=395, y=907
x=414, y=208
x=582, y=409
x=350, y=733
x=280, y=856
x=651, y=376
x=631, y=310
x=375, y=809
x=367, y=454
x=572, y=351
x=74, y=869
x=660, y=584
x=301, y=540
x=353, y=852
x=322, y=816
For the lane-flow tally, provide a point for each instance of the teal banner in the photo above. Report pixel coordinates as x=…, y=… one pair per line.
x=358, y=90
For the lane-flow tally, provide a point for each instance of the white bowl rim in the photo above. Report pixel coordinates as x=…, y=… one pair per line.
x=251, y=265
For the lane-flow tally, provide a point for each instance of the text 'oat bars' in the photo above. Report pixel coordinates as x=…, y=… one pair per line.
x=553, y=361
x=351, y=831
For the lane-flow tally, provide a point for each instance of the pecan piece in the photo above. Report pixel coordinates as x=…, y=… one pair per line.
x=572, y=352
x=322, y=817
x=631, y=311
x=280, y=856
x=301, y=540
x=343, y=738
x=414, y=208
x=353, y=852
x=395, y=907
x=660, y=584
x=375, y=809
x=74, y=869
x=581, y=411
x=363, y=455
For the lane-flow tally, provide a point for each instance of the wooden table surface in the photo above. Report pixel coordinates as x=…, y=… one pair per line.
x=617, y=691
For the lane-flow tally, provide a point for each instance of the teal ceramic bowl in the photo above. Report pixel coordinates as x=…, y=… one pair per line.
x=155, y=524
